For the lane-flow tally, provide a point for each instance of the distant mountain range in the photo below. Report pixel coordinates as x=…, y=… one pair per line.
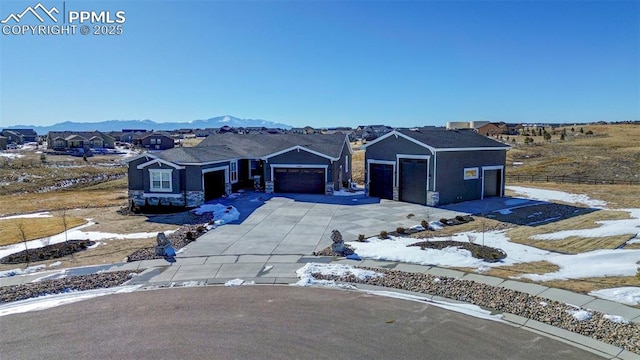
x=118, y=125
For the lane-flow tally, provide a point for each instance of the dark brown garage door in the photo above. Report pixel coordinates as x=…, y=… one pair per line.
x=381, y=181
x=213, y=184
x=413, y=181
x=492, y=182
x=299, y=180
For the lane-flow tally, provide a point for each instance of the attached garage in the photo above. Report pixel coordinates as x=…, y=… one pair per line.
x=413, y=181
x=214, y=184
x=381, y=180
x=299, y=180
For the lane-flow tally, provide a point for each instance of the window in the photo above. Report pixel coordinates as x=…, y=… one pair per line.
x=160, y=179
x=254, y=168
x=152, y=141
x=233, y=166
x=346, y=164
x=471, y=173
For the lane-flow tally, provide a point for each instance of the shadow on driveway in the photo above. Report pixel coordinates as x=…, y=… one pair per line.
x=519, y=211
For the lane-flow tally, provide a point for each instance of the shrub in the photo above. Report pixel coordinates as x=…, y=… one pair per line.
x=425, y=224
x=410, y=216
x=638, y=274
x=41, y=255
x=384, y=235
x=189, y=235
x=444, y=221
x=361, y=238
x=400, y=230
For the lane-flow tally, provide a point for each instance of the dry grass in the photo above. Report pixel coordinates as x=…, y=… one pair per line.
x=63, y=199
x=357, y=166
x=507, y=272
x=34, y=228
x=612, y=152
x=616, y=196
x=191, y=142
x=573, y=244
x=108, y=220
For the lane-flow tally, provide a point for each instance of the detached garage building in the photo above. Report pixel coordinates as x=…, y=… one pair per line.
x=223, y=163
x=433, y=166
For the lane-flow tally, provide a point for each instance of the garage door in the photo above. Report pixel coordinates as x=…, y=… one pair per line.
x=492, y=183
x=299, y=180
x=213, y=184
x=381, y=181
x=413, y=181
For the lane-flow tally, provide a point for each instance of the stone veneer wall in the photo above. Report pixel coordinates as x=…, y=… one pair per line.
x=193, y=199
x=396, y=193
x=268, y=187
x=328, y=188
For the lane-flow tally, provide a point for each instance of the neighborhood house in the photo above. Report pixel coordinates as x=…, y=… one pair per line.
x=223, y=163
x=433, y=166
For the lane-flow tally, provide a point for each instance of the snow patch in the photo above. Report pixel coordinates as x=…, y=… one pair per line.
x=616, y=319
x=306, y=273
x=49, y=301
x=238, y=282
x=580, y=314
x=221, y=214
x=550, y=195
x=629, y=295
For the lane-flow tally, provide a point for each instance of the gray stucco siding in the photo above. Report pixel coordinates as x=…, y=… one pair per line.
x=176, y=175
x=136, y=181
x=450, y=182
x=387, y=149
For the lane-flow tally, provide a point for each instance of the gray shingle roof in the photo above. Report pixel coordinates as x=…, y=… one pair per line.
x=259, y=145
x=228, y=146
x=441, y=138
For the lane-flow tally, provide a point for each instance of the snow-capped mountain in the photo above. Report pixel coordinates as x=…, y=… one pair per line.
x=118, y=125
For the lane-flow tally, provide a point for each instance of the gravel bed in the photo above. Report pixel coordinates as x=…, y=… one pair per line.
x=597, y=326
x=57, y=286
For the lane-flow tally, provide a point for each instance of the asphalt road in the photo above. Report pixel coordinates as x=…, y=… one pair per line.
x=265, y=322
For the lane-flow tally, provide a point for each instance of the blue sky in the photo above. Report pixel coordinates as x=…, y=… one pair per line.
x=330, y=63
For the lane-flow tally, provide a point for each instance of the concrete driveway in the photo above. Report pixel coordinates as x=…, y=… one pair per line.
x=299, y=224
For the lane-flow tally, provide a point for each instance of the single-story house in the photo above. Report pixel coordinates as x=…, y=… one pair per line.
x=155, y=141
x=71, y=140
x=13, y=137
x=433, y=166
x=3, y=143
x=223, y=163
x=24, y=135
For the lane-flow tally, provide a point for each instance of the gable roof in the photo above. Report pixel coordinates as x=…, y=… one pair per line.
x=442, y=139
x=229, y=146
x=263, y=145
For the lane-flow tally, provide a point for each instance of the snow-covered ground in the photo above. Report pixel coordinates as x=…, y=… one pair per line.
x=49, y=301
x=10, y=155
x=44, y=214
x=629, y=295
x=598, y=263
x=554, y=195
